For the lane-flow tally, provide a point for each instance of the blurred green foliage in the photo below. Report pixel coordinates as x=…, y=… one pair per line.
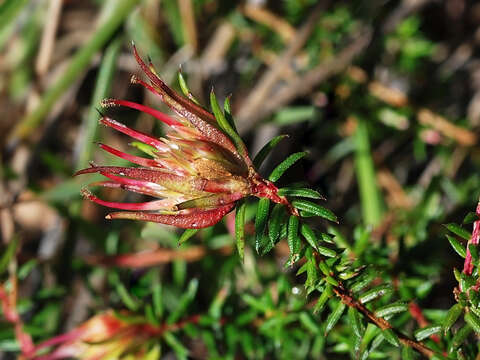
x=285, y=293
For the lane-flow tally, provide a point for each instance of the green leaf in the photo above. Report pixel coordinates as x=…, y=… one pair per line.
x=452, y=316
x=324, y=268
x=309, y=235
x=374, y=293
x=407, y=353
x=275, y=222
x=187, y=234
x=153, y=354
x=460, y=336
x=9, y=253
x=181, y=351
x=312, y=271
x=183, y=302
x=292, y=237
x=300, y=192
x=314, y=209
x=309, y=323
x=426, y=332
x=157, y=297
x=334, y=316
x=226, y=126
x=363, y=282
x=470, y=218
x=391, y=309
x=215, y=309
x=128, y=300
x=473, y=251
x=391, y=337
x=285, y=164
x=322, y=300
x=263, y=208
x=473, y=320
x=266, y=149
x=458, y=230
x=457, y=246
x=356, y=322
x=240, y=228
x=326, y=251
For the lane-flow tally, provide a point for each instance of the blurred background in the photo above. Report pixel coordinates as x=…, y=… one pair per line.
x=384, y=95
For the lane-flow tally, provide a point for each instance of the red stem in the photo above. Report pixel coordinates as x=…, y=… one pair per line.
x=468, y=265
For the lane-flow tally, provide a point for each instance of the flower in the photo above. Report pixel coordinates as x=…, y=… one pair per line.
x=197, y=172
x=105, y=335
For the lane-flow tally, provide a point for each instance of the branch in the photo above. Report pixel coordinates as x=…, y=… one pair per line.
x=348, y=299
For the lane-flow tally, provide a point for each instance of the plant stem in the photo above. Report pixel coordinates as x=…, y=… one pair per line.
x=369, y=194
x=348, y=299
x=474, y=240
x=78, y=64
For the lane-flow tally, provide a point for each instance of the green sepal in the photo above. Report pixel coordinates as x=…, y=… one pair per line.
x=145, y=148
x=226, y=126
x=184, y=87
x=228, y=113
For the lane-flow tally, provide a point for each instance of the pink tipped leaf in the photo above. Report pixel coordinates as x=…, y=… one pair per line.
x=203, y=120
x=146, y=109
x=164, y=204
x=147, y=139
x=195, y=219
x=132, y=158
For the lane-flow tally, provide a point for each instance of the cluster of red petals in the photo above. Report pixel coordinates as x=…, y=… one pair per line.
x=195, y=172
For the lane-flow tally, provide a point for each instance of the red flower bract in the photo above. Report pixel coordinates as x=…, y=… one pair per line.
x=196, y=171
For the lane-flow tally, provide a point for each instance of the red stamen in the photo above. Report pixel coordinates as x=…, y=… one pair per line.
x=189, y=105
